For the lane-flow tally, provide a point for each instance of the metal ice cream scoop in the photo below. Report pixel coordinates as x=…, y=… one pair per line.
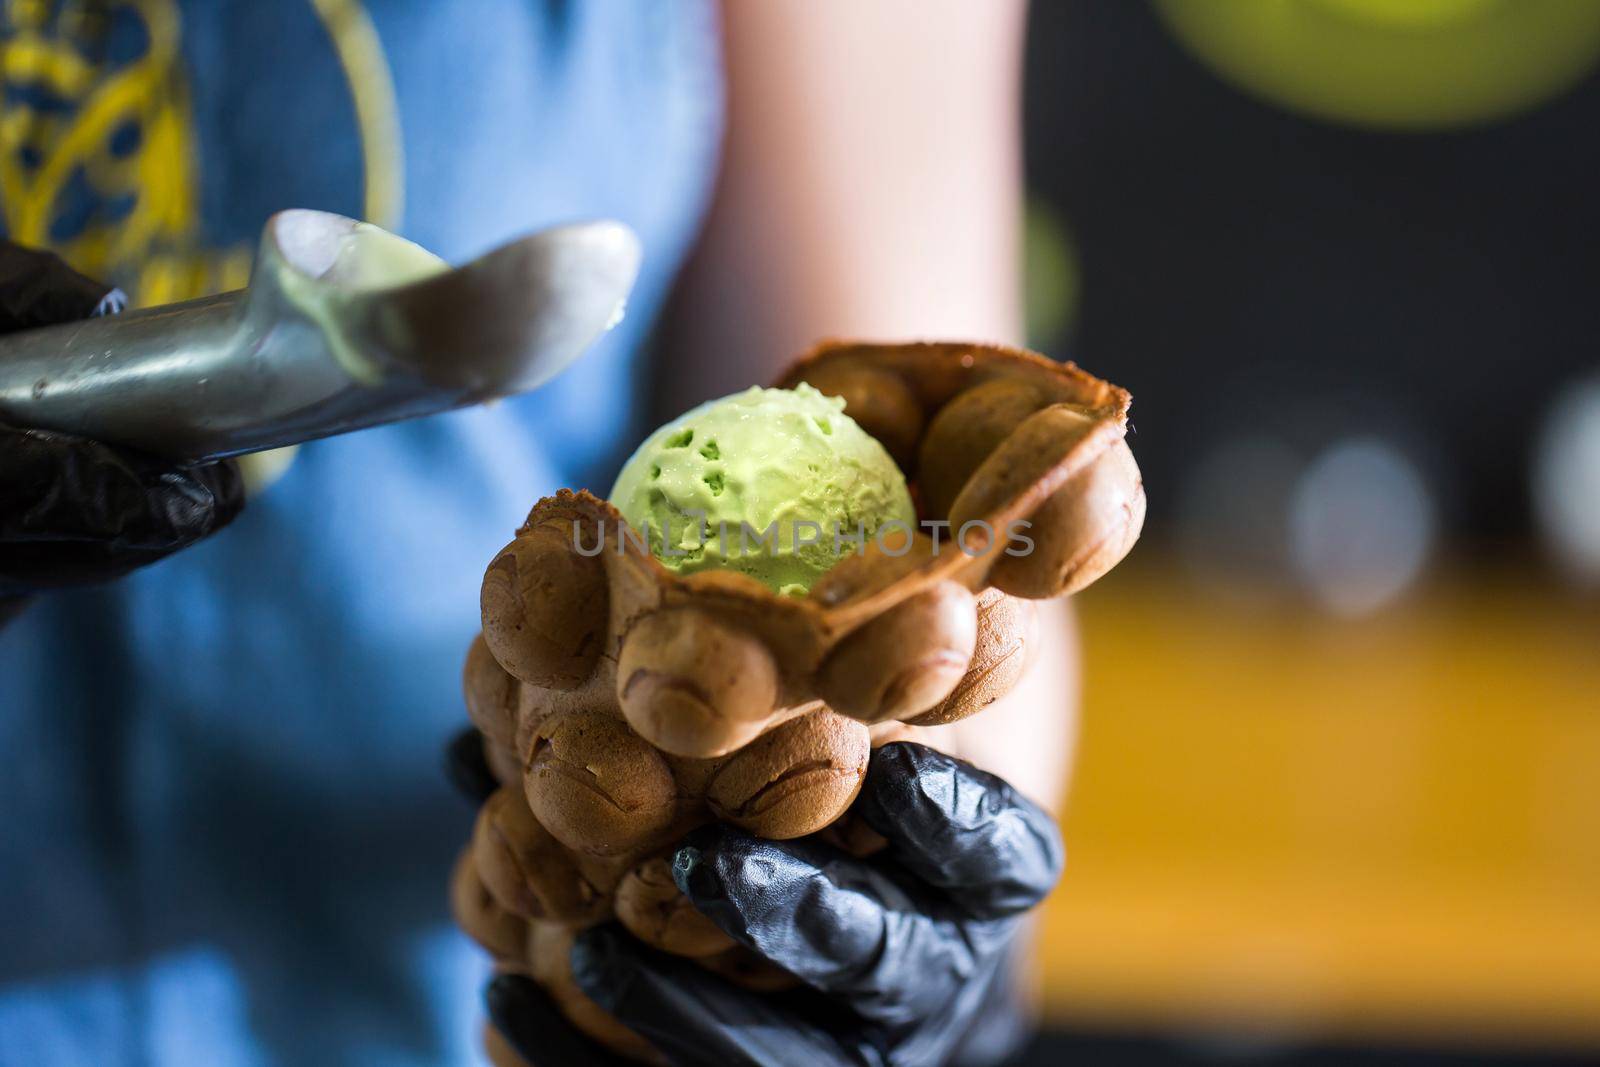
x=343, y=326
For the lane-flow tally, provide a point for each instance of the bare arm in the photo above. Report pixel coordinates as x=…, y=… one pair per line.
x=870, y=185
x=871, y=188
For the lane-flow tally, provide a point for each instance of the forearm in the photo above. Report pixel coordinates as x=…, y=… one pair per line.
x=870, y=185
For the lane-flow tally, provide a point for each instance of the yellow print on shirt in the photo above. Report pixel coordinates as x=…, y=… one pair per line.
x=98, y=158
x=97, y=155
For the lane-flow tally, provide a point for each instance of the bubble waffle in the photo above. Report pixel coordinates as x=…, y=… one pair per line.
x=623, y=704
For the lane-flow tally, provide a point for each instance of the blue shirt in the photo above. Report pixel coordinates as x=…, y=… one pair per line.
x=224, y=834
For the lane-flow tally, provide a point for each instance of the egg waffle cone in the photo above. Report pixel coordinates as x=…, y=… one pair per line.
x=623, y=704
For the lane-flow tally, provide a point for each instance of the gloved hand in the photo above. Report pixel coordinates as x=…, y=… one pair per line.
x=73, y=510
x=905, y=957
x=467, y=768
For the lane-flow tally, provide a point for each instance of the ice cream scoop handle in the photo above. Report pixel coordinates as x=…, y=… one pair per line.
x=195, y=380
x=129, y=379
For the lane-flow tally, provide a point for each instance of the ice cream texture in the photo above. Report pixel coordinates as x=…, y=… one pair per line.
x=366, y=259
x=787, y=482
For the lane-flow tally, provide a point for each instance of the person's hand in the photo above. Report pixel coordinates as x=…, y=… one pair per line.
x=905, y=958
x=72, y=510
x=467, y=768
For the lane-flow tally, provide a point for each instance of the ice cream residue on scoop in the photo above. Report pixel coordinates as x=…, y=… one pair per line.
x=366, y=259
x=370, y=257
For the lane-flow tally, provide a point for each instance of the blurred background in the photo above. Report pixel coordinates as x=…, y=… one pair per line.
x=1338, y=796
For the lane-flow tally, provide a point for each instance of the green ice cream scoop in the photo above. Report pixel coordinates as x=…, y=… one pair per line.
x=786, y=484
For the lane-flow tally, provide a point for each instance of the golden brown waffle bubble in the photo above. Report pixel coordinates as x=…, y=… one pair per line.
x=906, y=660
x=1006, y=640
x=693, y=684
x=597, y=786
x=650, y=906
x=492, y=695
x=544, y=608
x=477, y=912
x=966, y=430
x=1089, y=521
x=528, y=872
x=794, y=779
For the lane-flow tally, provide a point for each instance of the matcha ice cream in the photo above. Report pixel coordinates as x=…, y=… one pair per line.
x=778, y=484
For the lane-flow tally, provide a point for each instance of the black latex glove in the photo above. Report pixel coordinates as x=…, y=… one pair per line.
x=73, y=510
x=468, y=768
x=905, y=957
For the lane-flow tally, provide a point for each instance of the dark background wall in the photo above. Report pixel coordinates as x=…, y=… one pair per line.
x=1246, y=267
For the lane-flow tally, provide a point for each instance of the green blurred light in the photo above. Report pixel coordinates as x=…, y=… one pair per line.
x=1396, y=64
x=1409, y=14
x=1050, y=276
